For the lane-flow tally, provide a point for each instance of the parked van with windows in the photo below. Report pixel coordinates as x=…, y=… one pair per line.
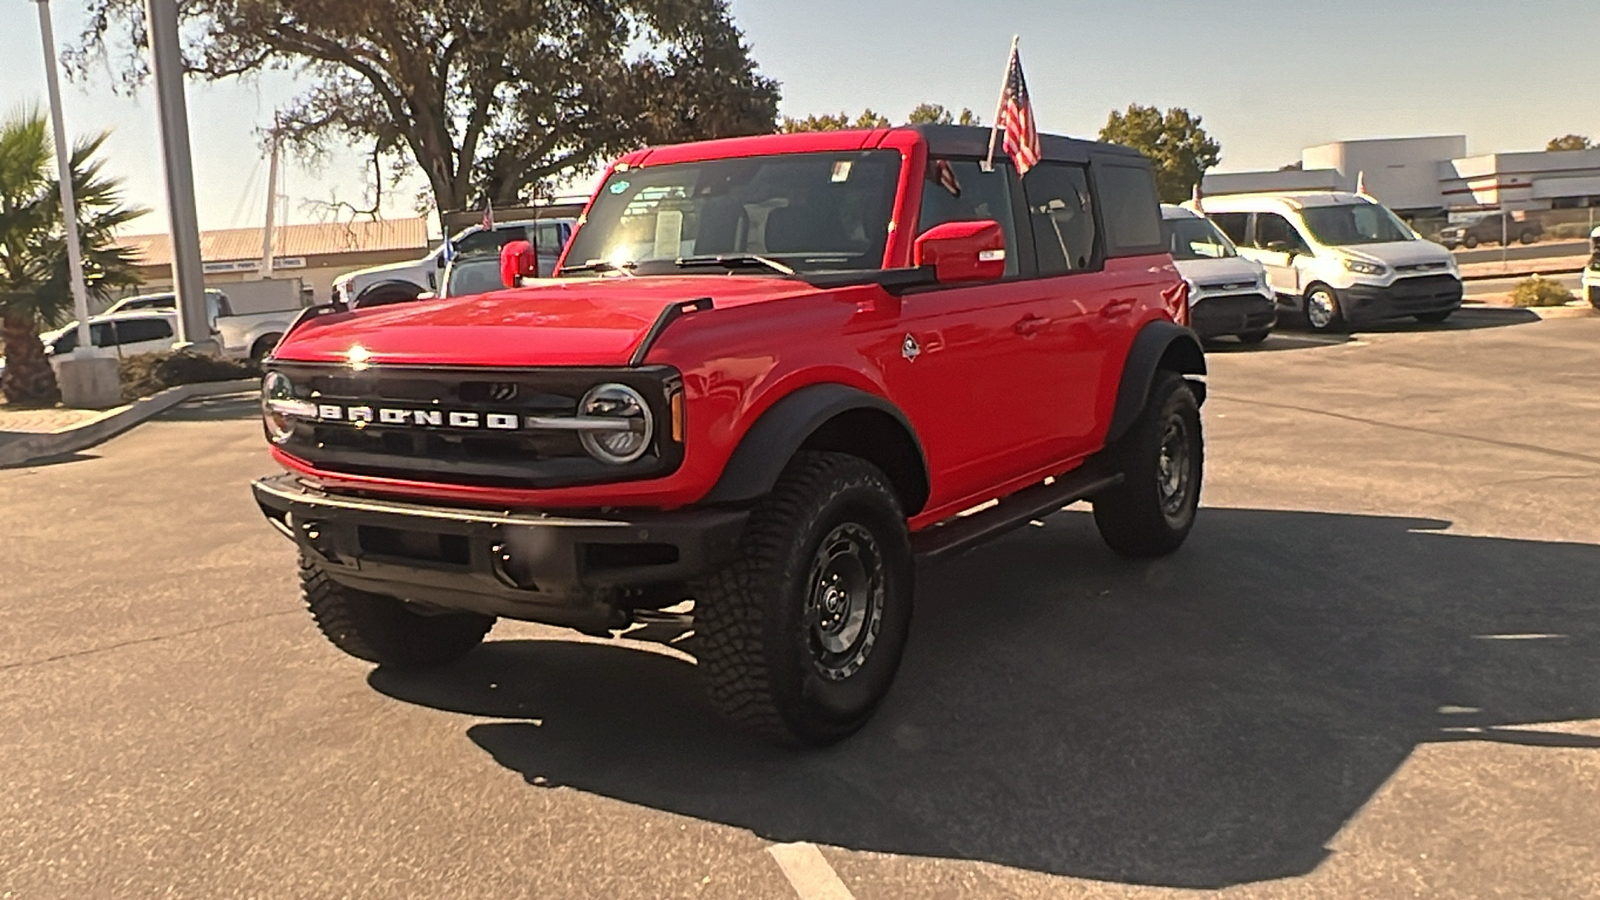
x=1591, y=275
x=1228, y=294
x=1343, y=260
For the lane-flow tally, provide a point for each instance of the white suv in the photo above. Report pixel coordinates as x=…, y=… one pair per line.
x=1344, y=260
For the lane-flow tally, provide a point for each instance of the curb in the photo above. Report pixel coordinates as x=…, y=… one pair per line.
x=1557, y=266
x=19, y=448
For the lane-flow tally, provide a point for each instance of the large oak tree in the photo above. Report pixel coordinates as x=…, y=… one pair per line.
x=489, y=99
x=1175, y=142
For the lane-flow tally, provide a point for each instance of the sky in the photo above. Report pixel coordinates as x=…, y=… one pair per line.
x=1269, y=78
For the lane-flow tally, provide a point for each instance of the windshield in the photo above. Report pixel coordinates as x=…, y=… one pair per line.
x=474, y=276
x=1196, y=239
x=1361, y=223
x=813, y=212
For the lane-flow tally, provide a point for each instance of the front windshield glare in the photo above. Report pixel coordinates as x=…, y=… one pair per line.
x=1364, y=223
x=1189, y=239
x=810, y=211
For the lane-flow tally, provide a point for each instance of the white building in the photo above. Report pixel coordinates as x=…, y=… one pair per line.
x=1432, y=174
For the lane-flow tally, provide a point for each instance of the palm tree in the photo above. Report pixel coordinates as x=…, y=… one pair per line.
x=34, y=280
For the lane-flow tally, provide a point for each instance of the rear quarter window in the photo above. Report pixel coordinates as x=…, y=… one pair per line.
x=1130, y=210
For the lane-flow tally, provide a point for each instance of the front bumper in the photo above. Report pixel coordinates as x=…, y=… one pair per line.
x=1233, y=314
x=1405, y=297
x=565, y=570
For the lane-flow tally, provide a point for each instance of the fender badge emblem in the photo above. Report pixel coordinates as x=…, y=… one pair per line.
x=910, y=349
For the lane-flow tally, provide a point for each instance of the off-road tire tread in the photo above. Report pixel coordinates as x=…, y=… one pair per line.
x=375, y=628
x=1127, y=516
x=731, y=603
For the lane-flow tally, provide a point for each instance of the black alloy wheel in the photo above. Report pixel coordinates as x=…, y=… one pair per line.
x=800, y=637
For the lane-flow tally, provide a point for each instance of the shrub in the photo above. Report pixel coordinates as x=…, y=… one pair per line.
x=150, y=373
x=1538, y=291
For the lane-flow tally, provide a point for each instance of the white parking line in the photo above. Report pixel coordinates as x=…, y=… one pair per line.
x=808, y=872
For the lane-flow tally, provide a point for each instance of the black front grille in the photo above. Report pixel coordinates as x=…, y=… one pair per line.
x=467, y=426
x=1425, y=294
x=1237, y=314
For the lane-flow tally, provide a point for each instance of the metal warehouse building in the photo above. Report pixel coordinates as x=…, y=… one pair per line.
x=1433, y=175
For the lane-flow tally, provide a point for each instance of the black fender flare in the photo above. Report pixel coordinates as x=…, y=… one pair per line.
x=1159, y=345
x=766, y=448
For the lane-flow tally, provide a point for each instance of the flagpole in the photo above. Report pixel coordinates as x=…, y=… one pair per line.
x=1005, y=80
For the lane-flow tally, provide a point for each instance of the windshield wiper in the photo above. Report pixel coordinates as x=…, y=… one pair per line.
x=734, y=261
x=600, y=265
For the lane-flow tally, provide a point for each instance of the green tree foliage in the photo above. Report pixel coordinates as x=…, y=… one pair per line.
x=34, y=285
x=1571, y=142
x=934, y=114
x=924, y=114
x=1175, y=142
x=488, y=99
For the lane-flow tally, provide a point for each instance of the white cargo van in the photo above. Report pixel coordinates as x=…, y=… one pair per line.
x=1228, y=294
x=1591, y=275
x=1344, y=260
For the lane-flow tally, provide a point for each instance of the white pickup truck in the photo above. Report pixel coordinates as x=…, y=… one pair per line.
x=249, y=336
x=548, y=235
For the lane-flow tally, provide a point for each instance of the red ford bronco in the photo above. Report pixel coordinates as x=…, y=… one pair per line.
x=771, y=375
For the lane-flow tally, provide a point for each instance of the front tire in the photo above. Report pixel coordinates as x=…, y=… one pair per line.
x=800, y=637
x=385, y=630
x=1323, y=312
x=1162, y=459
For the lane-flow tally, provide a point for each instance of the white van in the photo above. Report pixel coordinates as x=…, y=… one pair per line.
x=1228, y=294
x=1343, y=260
x=1591, y=275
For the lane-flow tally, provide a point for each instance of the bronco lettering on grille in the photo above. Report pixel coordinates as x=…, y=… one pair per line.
x=428, y=418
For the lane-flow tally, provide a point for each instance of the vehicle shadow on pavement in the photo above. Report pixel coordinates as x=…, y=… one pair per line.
x=1468, y=318
x=1276, y=342
x=1205, y=720
x=226, y=408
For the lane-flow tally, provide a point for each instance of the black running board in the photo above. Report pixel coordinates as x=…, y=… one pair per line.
x=956, y=536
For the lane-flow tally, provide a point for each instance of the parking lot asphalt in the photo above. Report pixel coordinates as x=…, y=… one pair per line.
x=1374, y=671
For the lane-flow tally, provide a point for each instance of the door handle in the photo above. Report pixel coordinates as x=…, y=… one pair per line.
x=1030, y=324
x=1118, y=308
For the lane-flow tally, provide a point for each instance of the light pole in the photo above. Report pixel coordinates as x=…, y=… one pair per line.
x=188, y=275
x=69, y=204
x=86, y=381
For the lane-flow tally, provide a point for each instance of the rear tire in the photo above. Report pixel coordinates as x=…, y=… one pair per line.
x=385, y=630
x=800, y=637
x=1530, y=237
x=1162, y=460
x=263, y=348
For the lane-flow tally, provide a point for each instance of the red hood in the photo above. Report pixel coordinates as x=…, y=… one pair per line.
x=580, y=322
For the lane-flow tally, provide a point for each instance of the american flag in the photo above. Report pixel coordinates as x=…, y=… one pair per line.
x=488, y=215
x=1016, y=118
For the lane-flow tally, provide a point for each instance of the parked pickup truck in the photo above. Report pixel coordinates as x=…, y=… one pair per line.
x=548, y=235
x=771, y=373
x=251, y=336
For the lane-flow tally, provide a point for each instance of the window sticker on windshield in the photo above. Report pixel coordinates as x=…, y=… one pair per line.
x=620, y=187
x=669, y=233
x=841, y=170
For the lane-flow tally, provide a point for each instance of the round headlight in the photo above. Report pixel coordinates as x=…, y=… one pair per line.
x=635, y=424
x=276, y=389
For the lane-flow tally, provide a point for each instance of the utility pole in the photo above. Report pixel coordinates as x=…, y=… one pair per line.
x=86, y=381
x=268, y=233
x=188, y=274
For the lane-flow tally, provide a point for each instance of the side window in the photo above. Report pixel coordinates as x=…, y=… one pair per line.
x=1273, y=229
x=958, y=190
x=1235, y=225
x=1063, y=218
x=136, y=331
x=1130, y=209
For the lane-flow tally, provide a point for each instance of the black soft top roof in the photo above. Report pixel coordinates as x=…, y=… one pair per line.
x=969, y=140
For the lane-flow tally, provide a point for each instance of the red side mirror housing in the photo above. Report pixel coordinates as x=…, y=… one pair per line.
x=964, y=251
x=517, y=261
